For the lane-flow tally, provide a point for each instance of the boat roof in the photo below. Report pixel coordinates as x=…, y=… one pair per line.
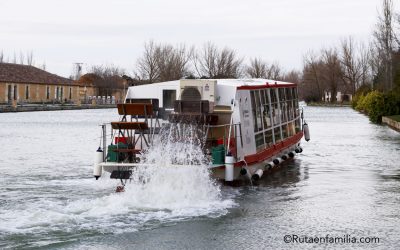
x=238, y=83
x=254, y=83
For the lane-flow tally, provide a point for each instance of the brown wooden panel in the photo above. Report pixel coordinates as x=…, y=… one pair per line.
x=135, y=109
x=129, y=125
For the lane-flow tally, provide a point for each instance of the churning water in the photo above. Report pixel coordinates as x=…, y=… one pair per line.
x=48, y=195
x=346, y=181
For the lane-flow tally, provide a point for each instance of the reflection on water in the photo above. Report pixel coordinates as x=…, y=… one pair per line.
x=287, y=175
x=346, y=181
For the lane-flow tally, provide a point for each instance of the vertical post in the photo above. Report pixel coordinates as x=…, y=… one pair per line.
x=103, y=127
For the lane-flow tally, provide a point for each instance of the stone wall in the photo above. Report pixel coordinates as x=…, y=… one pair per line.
x=391, y=123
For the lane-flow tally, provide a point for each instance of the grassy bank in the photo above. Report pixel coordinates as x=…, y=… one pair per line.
x=395, y=117
x=376, y=104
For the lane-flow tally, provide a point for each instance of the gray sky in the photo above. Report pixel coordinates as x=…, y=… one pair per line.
x=114, y=31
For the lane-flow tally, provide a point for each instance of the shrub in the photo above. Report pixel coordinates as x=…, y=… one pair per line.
x=360, y=103
x=374, y=105
x=358, y=97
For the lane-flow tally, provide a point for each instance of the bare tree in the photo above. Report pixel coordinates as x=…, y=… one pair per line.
x=1, y=56
x=257, y=68
x=312, y=87
x=43, y=66
x=173, y=62
x=14, y=58
x=21, y=58
x=148, y=64
x=29, y=58
x=332, y=71
x=275, y=71
x=383, y=43
x=107, y=78
x=261, y=69
x=212, y=62
x=163, y=62
x=364, y=59
x=293, y=76
x=352, y=68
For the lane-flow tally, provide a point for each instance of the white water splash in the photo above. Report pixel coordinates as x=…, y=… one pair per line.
x=159, y=193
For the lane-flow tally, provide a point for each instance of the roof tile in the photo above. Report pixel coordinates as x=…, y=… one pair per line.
x=18, y=73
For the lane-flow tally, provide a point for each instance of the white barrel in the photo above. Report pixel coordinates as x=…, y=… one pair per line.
x=257, y=175
x=277, y=161
x=306, y=132
x=98, y=158
x=229, y=160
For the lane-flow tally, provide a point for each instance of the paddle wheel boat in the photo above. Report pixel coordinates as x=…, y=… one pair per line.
x=248, y=127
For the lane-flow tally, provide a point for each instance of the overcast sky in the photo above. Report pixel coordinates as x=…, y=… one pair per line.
x=114, y=31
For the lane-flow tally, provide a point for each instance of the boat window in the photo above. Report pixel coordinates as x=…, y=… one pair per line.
x=290, y=110
x=289, y=94
x=253, y=109
x=268, y=137
x=294, y=93
x=267, y=116
x=169, y=97
x=275, y=114
x=273, y=96
x=190, y=94
x=283, y=112
x=284, y=131
x=263, y=98
x=297, y=124
x=259, y=110
x=281, y=94
x=259, y=140
x=291, y=128
x=277, y=133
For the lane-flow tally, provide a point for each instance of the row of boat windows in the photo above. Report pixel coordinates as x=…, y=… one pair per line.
x=275, y=120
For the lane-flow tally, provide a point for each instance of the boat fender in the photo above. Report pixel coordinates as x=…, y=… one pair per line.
x=257, y=175
x=276, y=161
x=291, y=154
x=306, y=131
x=284, y=157
x=269, y=166
x=243, y=171
x=98, y=158
x=301, y=149
x=297, y=150
x=229, y=171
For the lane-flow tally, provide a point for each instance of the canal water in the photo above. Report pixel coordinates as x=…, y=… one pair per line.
x=346, y=183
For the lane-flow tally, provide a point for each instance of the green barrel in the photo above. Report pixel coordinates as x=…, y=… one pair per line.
x=113, y=156
x=218, y=154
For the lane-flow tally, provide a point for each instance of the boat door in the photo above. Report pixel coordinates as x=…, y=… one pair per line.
x=247, y=121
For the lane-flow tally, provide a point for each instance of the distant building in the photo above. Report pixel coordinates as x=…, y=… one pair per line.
x=27, y=84
x=340, y=97
x=108, y=88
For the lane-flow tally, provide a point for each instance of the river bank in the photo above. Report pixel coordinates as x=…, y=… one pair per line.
x=51, y=107
x=392, y=121
x=328, y=104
